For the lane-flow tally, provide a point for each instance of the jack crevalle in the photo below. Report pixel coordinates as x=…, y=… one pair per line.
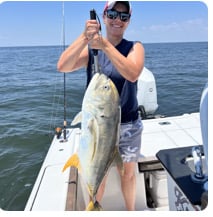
x=100, y=131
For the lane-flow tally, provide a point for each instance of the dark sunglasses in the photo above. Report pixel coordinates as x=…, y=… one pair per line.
x=112, y=14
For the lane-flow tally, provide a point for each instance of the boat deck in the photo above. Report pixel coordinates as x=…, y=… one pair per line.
x=51, y=187
x=170, y=132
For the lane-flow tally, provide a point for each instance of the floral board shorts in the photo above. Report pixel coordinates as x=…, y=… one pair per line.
x=130, y=140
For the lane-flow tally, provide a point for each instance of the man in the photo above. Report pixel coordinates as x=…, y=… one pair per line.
x=122, y=61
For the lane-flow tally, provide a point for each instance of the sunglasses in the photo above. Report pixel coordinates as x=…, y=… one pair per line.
x=112, y=14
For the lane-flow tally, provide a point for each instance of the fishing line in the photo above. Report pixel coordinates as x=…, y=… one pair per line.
x=65, y=112
x=58, y=130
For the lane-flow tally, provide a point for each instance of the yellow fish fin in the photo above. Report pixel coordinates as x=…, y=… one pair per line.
x=94, y=206
x=73, y=161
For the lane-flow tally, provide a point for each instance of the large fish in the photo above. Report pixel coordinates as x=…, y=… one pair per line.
x=100, y=131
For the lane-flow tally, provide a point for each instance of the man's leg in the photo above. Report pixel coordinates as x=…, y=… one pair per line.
x=101, y=189
x=128, y=185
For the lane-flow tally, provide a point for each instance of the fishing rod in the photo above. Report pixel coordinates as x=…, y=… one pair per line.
x=95, y=52
x=58, y=130
x=65, y=112
x=93, y=16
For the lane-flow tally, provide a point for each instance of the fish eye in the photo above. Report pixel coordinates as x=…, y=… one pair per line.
x=106, y=87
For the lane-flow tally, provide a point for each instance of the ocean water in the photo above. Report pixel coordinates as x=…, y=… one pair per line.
x=31, y=103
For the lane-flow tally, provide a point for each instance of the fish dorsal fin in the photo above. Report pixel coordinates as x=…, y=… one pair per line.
x=77, y=119
x=73, y=161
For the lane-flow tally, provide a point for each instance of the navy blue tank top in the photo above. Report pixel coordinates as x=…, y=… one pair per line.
x=126, y=89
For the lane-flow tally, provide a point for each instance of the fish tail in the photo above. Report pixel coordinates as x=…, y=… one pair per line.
x=94, y=206
x=73, y=161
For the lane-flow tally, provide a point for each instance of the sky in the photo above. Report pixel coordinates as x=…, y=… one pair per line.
x=34, y=23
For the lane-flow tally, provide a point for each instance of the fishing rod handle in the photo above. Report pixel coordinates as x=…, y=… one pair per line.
x=92, y=14
x=93, y=17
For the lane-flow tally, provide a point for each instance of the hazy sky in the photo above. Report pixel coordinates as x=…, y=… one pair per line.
x=40, y=22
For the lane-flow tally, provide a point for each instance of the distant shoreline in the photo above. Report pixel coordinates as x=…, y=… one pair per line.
x=21, y=46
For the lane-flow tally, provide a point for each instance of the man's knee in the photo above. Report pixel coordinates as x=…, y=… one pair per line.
x=128, y=176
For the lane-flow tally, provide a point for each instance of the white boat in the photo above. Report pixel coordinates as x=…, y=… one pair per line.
x=54, y=190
